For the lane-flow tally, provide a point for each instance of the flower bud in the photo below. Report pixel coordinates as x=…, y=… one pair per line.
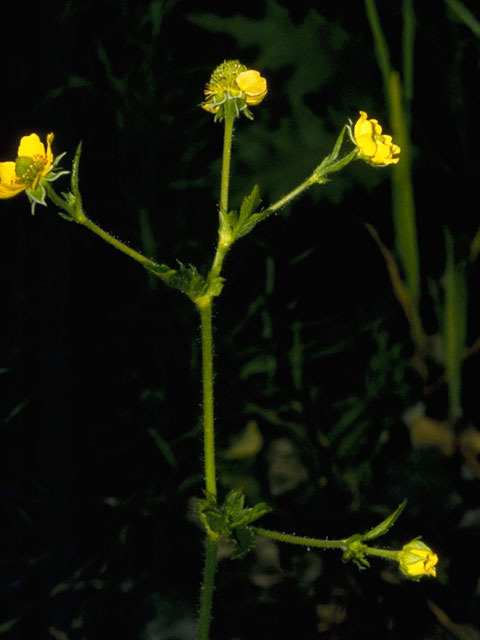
x=417, y=560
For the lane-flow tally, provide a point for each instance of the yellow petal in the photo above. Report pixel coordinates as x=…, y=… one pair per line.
x=367, y=144
x=31, y=146
x=49, y=151
x=252, y=82
x=253, y=85
x=9, y=183
x=377, y=129
x=363, y=126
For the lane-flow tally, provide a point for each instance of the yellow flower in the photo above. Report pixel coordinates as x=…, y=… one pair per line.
x=233, y=81
x=375, y=148
x=417, y=560
x=32, y=164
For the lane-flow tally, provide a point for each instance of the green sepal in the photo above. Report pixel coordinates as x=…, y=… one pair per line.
x=229, y=100
x=247, y=113
x=36, y=196
x=385, y=525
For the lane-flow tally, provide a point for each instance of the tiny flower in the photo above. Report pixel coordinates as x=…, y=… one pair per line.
x=417, y=560
x=374, y=147
x=33, y=165
x=233, y=81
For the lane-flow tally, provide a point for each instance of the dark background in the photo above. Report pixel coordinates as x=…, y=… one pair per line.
x=100, y=402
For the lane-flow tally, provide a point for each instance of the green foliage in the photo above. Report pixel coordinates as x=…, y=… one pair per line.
x=382, y=528
x=356, y=549
x=235, y=224
x=231, y=521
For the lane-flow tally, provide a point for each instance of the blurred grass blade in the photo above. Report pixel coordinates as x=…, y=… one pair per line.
x=408, y=41
x=402, y=293
x=465, y=16
x=454, y=327
x=164, y=447
x=403, y=198
x=381, y=47
x=475, y=246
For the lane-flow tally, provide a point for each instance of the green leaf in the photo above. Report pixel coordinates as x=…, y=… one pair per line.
x=249, y=204
x=251, y=514
x=385, y=525
x=338, y=144
x=230, y=521
x=188, y=280
x=212, y=517
x=237, y=514
x=233, y=505
x=247, y=219
x=243, y=539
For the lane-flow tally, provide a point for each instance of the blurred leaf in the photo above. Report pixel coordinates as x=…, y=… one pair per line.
x=247, y=443
x=164, y=448
x=6, y=626
x=402, y=292
x=465, y=16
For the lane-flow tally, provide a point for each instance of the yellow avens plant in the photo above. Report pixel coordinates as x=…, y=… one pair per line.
x=230, y=92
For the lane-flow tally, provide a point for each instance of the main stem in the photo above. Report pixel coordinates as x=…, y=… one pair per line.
x=204, y=306
x=207, y=384
x=207, y=589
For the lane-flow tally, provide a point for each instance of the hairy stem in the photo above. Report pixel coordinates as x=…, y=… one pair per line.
x=307, y=542
x=207, y=383
x=81, y=218
x=204, y=305
x=208, y=585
